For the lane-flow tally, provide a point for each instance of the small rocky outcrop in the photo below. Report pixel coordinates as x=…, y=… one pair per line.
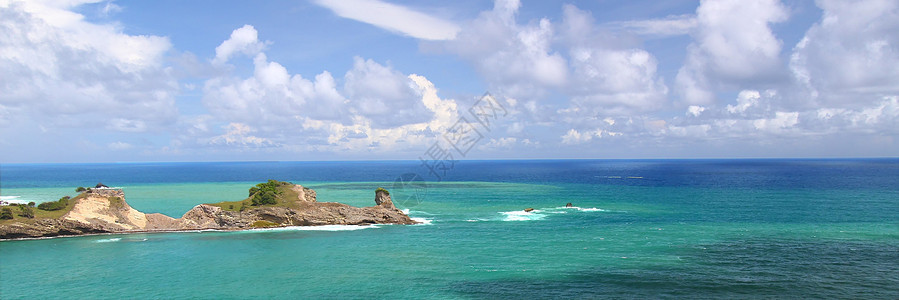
x=105, y=211
x=382, y=198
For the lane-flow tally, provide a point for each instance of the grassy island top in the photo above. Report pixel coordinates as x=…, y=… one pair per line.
x=272, y=193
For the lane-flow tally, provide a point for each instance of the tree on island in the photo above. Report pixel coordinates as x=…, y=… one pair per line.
x=266, y=193
x=55, y=205
x=6, y=213
x=26, y=211
x=80, y=189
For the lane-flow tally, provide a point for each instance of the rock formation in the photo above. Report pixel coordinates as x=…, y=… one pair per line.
x=105, y=211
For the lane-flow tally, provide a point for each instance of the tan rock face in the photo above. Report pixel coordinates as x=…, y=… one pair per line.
x=106, y=209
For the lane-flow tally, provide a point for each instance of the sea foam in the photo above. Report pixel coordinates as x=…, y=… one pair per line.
x=590, y=209
x=318, y=228
x=520, y=215
x=111, y=240
x=13, y=199
x=422, y=221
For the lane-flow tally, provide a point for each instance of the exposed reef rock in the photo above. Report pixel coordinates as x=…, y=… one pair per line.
x=105, y=211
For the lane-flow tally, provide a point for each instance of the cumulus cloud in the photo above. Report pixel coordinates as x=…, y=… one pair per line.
x=243, y=40
x=595, y=71
x=61, y=70
x=757, y=115
x=239, y=134
x=271, y=96
x=609, y=81
x=573, y=136
x=394, y=18
x=374, y=105
x=733, y=42
x=851, y=55
x=386, y=96
x=362, y=135
x=517, y=60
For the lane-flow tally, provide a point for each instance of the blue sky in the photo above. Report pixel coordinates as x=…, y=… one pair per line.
x=117, y=81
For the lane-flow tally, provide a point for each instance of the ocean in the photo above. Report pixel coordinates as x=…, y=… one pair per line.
x=752, y=228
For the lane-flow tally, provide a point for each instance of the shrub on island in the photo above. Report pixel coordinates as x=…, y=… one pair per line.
x=266, y=193
x=6, y=213
x=55, y=205
x=25, y=211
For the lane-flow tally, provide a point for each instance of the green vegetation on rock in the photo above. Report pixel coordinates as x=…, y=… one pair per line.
x=269, y=193
x=380, y=189
x=116, y=202
x=264, y=224
x=55, y=205
x=40, y=212
x=26, y=211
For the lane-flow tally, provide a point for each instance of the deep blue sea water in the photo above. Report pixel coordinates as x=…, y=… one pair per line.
x=640, y=229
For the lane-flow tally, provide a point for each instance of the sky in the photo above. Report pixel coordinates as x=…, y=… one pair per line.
x=136, y=81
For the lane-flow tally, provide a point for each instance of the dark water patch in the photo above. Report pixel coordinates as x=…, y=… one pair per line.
x=756, y=268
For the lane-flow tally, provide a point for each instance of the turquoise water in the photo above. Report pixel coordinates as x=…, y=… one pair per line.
x=706, y=229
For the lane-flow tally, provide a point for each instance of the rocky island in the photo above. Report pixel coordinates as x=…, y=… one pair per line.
x=270, y=204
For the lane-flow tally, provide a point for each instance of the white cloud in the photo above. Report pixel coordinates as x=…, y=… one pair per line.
x=385, y=96
x=119, y=146
x=851, y=56
x=239, y=135
x=271, y=96
x=518, y=61
x=694, y=131
x=379, y=94
x=616, y=81
x=376, y=107
x=780, y=121
x=243, y=40
x=126, y=125
x=573, y=136
x=733, y=42
x=362, y=135
x=756, y=116
x=668, y=26
x=63, y=71
x=745, y=100
x=394, y=18
x=695, y=110
x=575, y=58
x=110, y=8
